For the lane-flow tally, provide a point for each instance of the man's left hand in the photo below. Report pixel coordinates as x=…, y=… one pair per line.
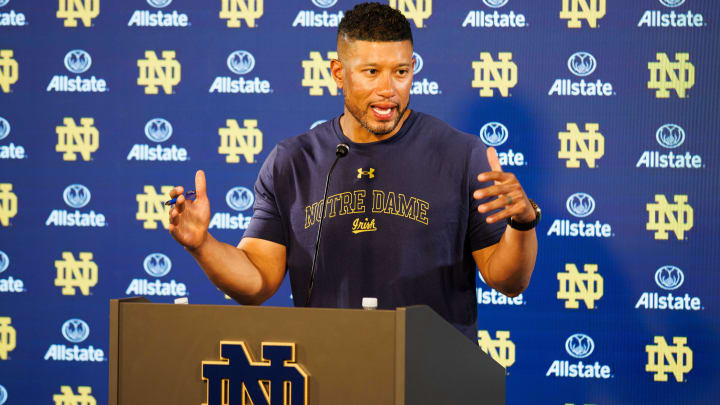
x=510, y=194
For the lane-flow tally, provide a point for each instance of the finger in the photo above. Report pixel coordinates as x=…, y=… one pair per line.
x=200, y=185
x=492, y=157
x=514, y=198
x=517, y=207
x=180, y=203
x=493, y=176
x=509, y=211
x=176, y=191
x=493, y=191
x=500, y=202
x=173, y=215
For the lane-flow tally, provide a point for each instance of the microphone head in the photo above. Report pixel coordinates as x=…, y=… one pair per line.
x=342, y=150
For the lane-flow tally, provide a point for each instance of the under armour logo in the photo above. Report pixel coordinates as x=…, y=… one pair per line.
x=370, y=173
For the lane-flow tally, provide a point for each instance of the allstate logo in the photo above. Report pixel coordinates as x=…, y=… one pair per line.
x=495, y=3
x=157, y=264
x=324, y=3
x=239, y=198
x=493, y=134
x=76, y=195
x=158, y=130
x=669, y=277
x=316, y=123
x=4, y=261
x=672, y=3
x=3, y=391
x=2, y=4
x=75, y=330
x=581, y=64
x=4, y=128
x=241, y=62
x=78, y=61
x=159, y=3
x=579, y=345
x=418, y=63
x=670, y=136
x=580, y=205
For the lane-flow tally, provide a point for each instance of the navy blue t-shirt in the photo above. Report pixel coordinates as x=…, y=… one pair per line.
x=400, y=222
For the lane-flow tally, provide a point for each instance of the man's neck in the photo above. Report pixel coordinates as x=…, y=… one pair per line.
x=358, y=134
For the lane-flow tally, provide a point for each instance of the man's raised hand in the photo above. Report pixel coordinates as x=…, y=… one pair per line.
x=511, y=198
x=189, y=220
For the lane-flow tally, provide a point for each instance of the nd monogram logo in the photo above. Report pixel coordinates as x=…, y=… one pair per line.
x=152, y=208
x=234, y=10
x=68, y=397
x=72, y=139
x=71, y=10
x=416, y=10
x=501, y=349
x=574, y=286
x=666, y=75
x=8, y=204
x=489, y=74
x=317, y=74
x=575, y=145
x=236, y=141
x=588, y=10
x=236, y=379
x=72, y=274
x=155, y=72
x=664, y=217
x=8, y=70
x=7, y=337
x=663, y=359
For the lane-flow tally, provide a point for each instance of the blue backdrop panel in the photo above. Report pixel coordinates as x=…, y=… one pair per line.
x=605, y=110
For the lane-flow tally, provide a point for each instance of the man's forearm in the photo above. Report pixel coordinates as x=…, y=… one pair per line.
x=511, y=263
x=231, y=270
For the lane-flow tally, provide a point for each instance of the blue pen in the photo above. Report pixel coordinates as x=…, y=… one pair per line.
x=189, y=195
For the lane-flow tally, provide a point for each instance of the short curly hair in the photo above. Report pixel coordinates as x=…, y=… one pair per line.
x=374, y=22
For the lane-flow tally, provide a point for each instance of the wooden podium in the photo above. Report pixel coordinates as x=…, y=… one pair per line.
x=406, y=356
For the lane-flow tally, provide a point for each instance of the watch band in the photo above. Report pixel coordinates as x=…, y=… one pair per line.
x=526, y=226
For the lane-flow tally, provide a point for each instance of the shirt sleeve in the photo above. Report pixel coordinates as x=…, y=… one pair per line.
x=480, y=233
x=266, y=222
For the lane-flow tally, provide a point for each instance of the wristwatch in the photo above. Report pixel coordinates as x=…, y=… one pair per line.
x=526, y=226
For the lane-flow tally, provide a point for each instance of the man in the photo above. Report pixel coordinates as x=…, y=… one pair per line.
x=407, y=214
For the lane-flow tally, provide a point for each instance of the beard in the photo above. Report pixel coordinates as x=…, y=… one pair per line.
x=377, y=129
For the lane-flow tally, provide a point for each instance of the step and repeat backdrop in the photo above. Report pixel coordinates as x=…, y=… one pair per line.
x=606, y=110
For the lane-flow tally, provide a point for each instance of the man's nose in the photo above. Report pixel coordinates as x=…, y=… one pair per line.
x=385, y=86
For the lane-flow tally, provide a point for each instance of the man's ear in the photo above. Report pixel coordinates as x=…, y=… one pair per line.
x=338, y=72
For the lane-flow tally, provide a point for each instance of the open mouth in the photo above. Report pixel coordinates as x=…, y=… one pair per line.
x=383, y=111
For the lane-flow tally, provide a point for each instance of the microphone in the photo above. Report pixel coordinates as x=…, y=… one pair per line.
x=341, y=151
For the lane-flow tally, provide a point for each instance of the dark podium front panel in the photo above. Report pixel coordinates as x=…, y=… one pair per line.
x=406, y=356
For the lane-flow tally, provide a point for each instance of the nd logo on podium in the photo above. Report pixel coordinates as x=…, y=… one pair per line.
x=237, y=379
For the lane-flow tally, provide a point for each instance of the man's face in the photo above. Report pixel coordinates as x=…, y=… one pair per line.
x=376, y=81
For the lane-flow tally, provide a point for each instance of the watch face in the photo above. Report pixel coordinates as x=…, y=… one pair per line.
x=537, y=209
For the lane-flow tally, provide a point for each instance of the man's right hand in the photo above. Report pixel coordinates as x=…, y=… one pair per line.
x=250, y=273
x=189, y=220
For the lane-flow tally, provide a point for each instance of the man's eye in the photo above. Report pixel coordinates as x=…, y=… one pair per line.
x=403, y=72
x=372, y=71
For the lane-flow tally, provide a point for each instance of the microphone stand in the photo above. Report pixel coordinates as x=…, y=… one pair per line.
x=341, y=150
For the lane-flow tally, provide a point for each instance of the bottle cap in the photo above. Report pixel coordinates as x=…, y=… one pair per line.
x=369, y=303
